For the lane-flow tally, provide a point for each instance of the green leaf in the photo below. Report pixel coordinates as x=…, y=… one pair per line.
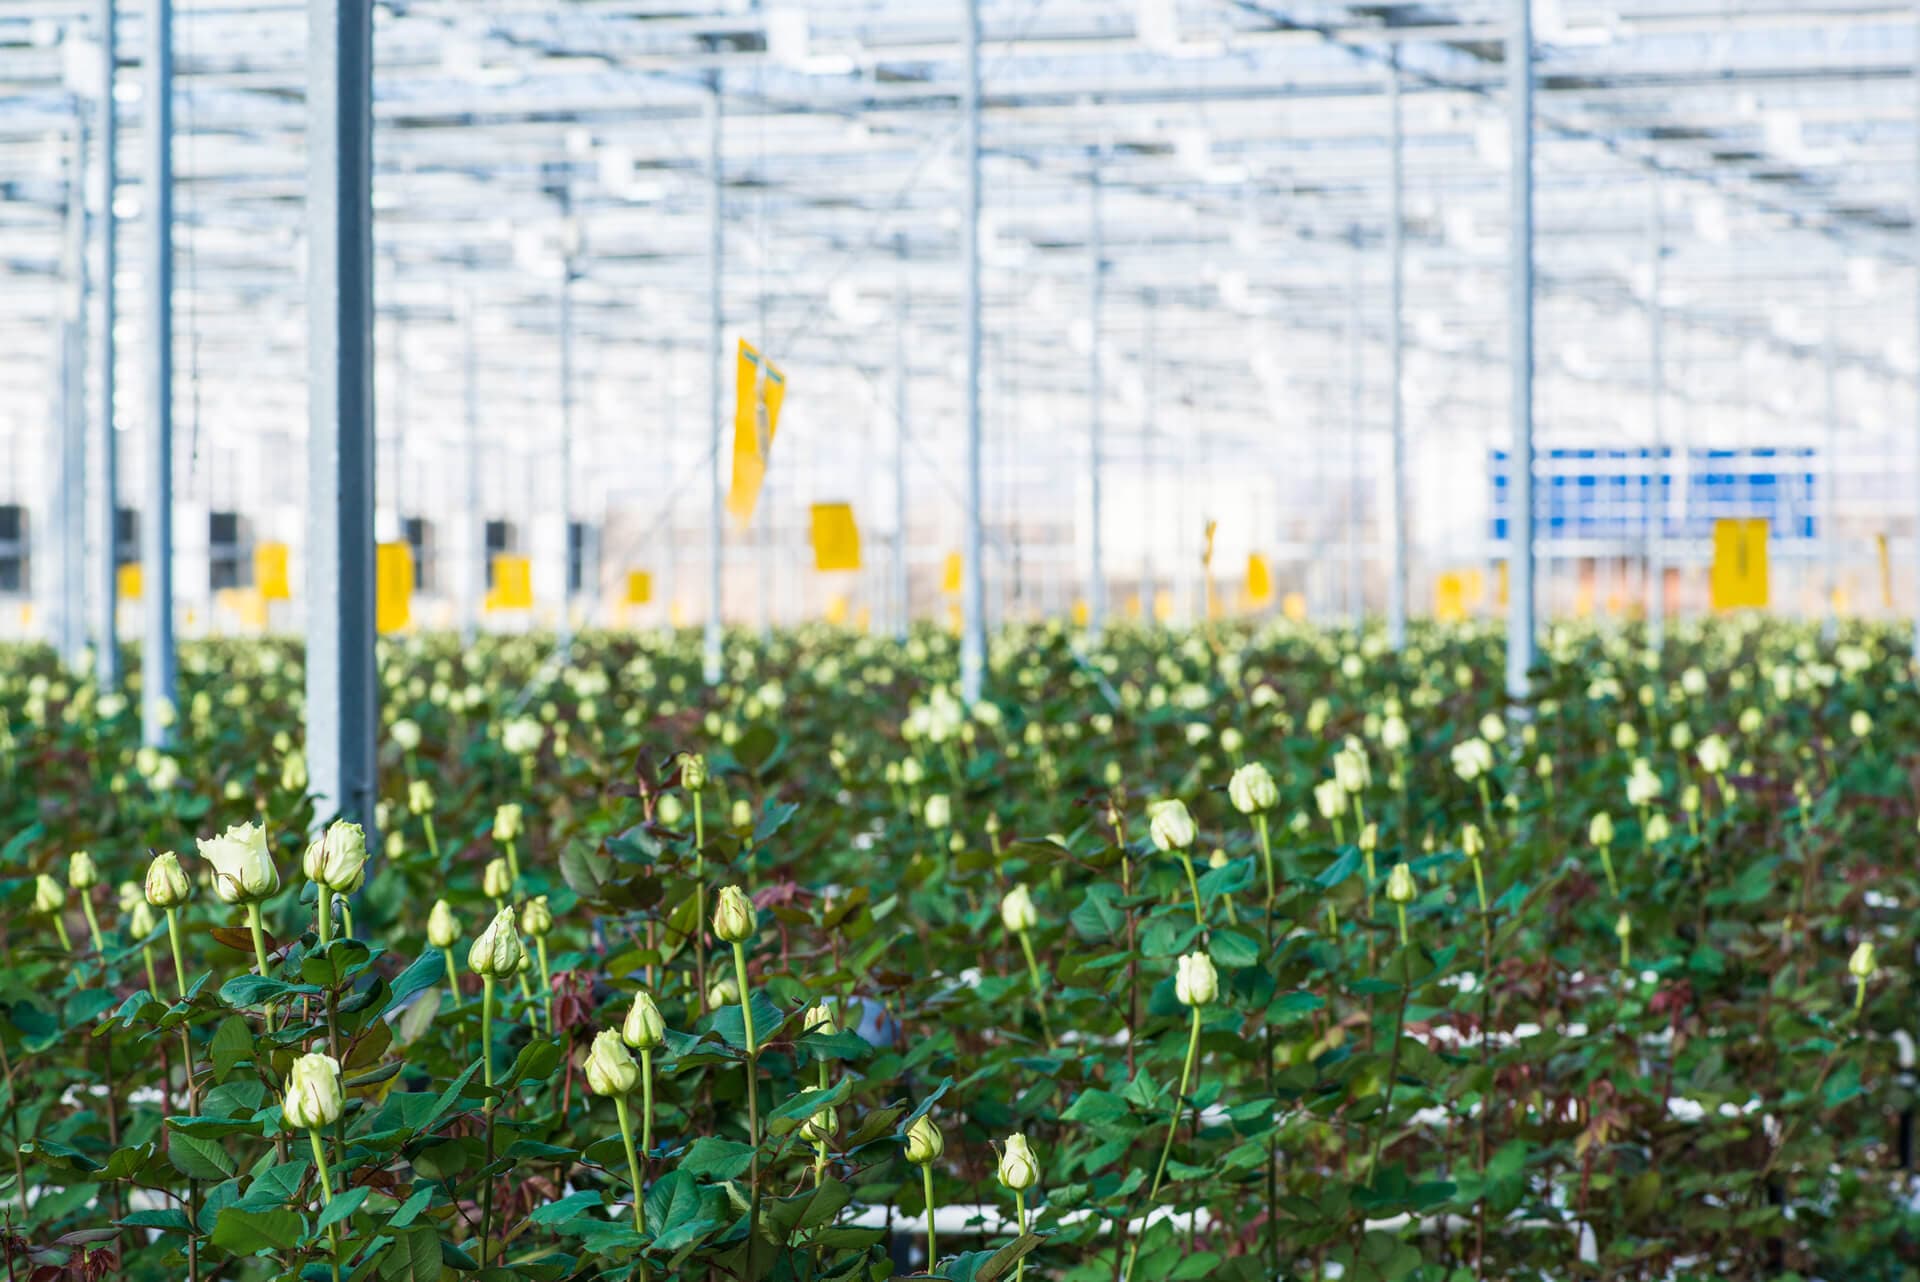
x=717, y=1159
x=251, y=1232
x=232, y=1045
x=257, y=990
x=1099, y=918
x=342, y=1205
x=200, y=1159
x=1234, y=949
x=536, y=1062
x=414, y=1257
x=428, y=969
x=556, y=1214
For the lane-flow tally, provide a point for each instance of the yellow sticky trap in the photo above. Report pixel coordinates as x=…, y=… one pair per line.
x=677, y=614
x=950, y=577
x=512, y=583
x=836, y=537
x=1449, y=597
x=1259, y=580
x=1886, y=571
x=1294, y=607
x=863, y=618
x=129, y=580
x=1081, y=612
x=759, y=391
x=639, y=587
x=1500, y=597
x=270, y=572
x=1739, y=578
x=837, y=609
x=393, y=587
x=1162, y=605
x=1473, y=590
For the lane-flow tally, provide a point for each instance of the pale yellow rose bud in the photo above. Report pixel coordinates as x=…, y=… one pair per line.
x=610, y=1069
x=1196, y=983
x=243, y=871
x=1019, y=1168
x=734, y=920
x=81, y=872
x=497, y=954
x=313, y=1098
x=497, y=881
x=644, y=1028
x=48, y=895
x=1400, y=887
x=166, y=884
x=925, y=1143
x=1170, y=826
x=442, y=928
x=1017, y=912
x=536, y=918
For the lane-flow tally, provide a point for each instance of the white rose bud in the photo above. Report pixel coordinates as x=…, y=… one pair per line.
x=693, y=771
x=497, y=881
x=1400, y=887
x=167, y=885
x=337, y=858
x=1196, y=983
x=925, y=1143
x=734, y=919
x=442, y=928
x=1171, y=827
x=1600, y=829
x=81, y=872
x=819, y=1019
x=536, y=919
x=1019, y=1169
x=313, y=1098
x=610, y=1069
x=1017, y=912
x=1252, y=789
x=1472, y=844
x=48, y=895
x=939, y=811
x=406, y=733
x=419, y=797
x=243, y=871
x=644, y=1028
x=1862, y=964
x=497, y=954
x=506, y=821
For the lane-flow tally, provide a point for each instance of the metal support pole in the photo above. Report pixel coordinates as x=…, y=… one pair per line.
x=342, y=712
x=710, y=644
x=106, y=489
x=1150, y=475
x=1097, y=285
x=473, y=564
x=564, y=632
x=1829, y=478
x=1656, y=394
x=973, y=638
x=156, y=543
x=70, y=621
x=902, y=602
x=1356, y=424
x=1520, y=634
x=1916, y=235
x=1396, y=504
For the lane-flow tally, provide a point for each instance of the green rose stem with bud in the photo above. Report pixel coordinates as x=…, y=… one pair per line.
x=313, y=1101
x=611, y=1072
x=50, y=898
x=536, y=919
x=925, y=1144
x=498, y=952
x=82, y=876
x=1019, y=1171
x=1173, y=832
x=734, y=922
x=1019, y=916
x=1197, y=985
x=693, y=777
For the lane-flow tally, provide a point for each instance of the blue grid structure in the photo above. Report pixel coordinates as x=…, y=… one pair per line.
x=1614, y=494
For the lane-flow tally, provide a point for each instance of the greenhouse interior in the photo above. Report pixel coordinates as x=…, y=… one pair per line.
x=1360, y=563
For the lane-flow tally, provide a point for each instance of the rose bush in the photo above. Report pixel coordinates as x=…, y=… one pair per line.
x=792, y=976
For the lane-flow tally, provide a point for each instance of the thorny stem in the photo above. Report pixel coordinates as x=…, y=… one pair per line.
x=926, y=1184
x=326, y=1191
x=1266, y=853
x=633, y=1164
x=93, y=922
x=1039, y=991
x=259, y=951
x=1193, y=884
